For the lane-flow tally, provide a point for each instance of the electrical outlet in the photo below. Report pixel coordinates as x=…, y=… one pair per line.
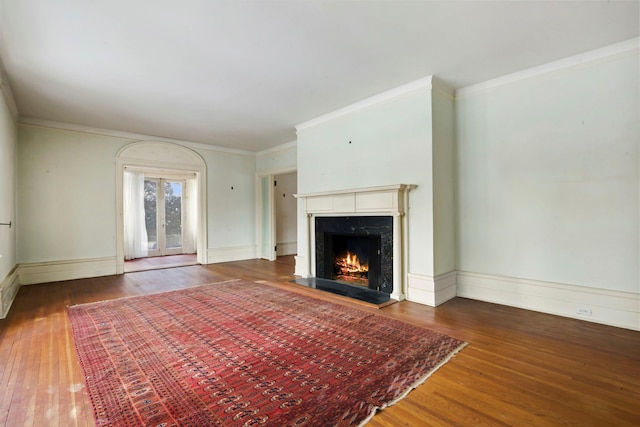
x=583, y=311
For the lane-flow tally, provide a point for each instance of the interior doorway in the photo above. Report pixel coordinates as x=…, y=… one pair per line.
x=286, y=213
x=159, y=219
x=276, y=224
x=177, y=225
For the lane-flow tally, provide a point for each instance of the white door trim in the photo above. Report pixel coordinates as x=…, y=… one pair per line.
x=271, y=255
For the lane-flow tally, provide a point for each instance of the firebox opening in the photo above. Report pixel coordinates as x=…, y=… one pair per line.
x=354, y=259
x=364, y=240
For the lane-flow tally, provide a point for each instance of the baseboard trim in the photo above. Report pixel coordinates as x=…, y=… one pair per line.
x=56, y=271
x=287, y=248
x=431, y=290
x=232, y=253
x=301, y=268
x=8, y=290
x=613, y=308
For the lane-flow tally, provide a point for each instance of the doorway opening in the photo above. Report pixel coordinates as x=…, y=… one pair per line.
x=160, y=220
x=164, y=209
x=161, y=200
x=276, y=214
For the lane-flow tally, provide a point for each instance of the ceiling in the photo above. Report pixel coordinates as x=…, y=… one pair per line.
x=242, y=74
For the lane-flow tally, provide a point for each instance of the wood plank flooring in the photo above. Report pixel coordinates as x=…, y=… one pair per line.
x=158, y=262
x=520, y=368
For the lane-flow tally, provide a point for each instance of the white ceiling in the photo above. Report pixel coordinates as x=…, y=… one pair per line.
x=242, y=74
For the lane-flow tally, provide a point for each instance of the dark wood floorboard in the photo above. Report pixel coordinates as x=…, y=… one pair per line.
x=158, y=262
x=520, y=368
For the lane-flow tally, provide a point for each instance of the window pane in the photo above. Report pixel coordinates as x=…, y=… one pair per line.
x=173, y=213
x=150, y=212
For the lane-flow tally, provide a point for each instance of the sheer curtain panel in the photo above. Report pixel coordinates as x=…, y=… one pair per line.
x=135, y=230
x=190, y=217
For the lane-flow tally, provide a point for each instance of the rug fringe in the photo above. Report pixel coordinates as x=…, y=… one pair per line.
x=414, y=385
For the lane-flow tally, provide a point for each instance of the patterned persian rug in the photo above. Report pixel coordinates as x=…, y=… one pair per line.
x=241, y=353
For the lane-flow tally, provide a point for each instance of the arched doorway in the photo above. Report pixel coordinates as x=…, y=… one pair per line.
x=165, y=159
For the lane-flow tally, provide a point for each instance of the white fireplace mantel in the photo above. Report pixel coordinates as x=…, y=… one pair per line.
x=391, y=200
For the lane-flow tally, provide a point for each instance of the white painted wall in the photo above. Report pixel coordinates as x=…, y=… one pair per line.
x=548, y=176
x=278, y=159
x=231, y=210
x=66, y=195
x=444, y=173
x=8, y=183
x=286, y=213
x=67, y=201
x=548, y=188
x=386, y=143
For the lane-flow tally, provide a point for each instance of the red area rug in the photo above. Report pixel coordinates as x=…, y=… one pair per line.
x=240, y=353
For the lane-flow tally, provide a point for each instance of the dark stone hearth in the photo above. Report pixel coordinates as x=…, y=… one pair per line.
x=355, y=292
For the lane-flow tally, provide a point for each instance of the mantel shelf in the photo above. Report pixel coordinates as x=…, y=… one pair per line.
x=384, y=188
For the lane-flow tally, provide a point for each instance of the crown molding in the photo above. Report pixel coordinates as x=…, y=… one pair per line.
x=617, y=50
x=423, y=83
x=5, y=87
x=439, y=86
x=29, y=121
x=277, y=148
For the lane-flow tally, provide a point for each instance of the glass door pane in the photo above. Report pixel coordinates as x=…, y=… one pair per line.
x=173, y=213
x=150, y=212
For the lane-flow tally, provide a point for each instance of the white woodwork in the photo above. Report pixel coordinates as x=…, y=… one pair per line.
x=608, y=307
x=233, y=253
x=8, y=289
x=56, y=271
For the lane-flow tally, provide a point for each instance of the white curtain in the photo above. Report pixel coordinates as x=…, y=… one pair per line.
x=190, y=217
x=135, y=231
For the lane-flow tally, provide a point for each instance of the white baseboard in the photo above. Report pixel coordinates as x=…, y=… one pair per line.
x=301, y=269
x=286, y=248
x=56, y=271
x=8, y=290
x=614, y=308
x=233, y=253
x=430, y=290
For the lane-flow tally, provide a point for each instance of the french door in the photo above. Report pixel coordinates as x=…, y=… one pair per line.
x=164, y=215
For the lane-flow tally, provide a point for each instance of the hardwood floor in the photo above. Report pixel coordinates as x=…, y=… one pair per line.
x=158, y=262
x=520, y=367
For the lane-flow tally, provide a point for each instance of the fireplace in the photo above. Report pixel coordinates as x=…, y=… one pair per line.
x=374, y=221
x=355, y=250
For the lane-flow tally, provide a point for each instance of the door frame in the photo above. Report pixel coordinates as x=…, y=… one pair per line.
x=166, y=158
x=271, y=221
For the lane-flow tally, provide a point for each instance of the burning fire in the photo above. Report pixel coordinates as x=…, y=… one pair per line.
x=350, y=265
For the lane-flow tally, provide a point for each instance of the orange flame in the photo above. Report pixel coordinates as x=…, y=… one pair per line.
x=350, y=264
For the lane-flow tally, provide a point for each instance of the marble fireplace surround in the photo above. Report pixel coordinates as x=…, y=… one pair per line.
x=391, y=200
